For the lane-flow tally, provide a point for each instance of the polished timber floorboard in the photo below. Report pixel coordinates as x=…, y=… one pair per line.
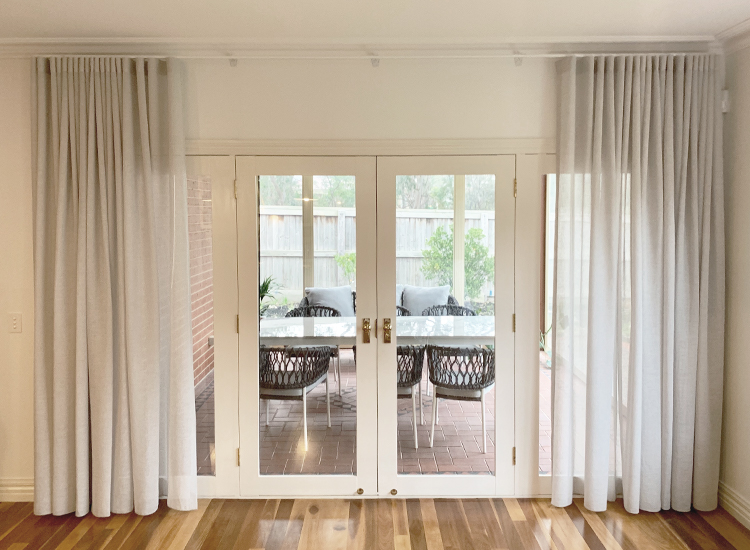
x=423, y=524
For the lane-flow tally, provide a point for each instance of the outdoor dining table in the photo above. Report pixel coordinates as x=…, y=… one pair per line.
x=412, y=330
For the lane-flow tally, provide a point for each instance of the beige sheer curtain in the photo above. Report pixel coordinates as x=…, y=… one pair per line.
x=114, y=403
x=638, y=321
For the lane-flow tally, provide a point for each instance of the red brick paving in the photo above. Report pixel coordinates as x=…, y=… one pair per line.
x=332, y=450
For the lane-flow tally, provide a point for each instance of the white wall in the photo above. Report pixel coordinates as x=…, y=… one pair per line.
x=314, y=99
x=16, y=279
x=735, y=466
x=351, y=99
x=342, y=99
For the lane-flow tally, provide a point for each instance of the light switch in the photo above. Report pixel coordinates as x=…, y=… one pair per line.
x=14, y=322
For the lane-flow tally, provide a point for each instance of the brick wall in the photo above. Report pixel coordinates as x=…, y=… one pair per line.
x=201, y=279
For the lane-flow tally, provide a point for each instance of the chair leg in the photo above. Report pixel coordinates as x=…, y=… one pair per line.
x=484, y=426
x=437, y=411
x=421, y=404
x=268, y=409
x=304, y=414
x=414, y=416
x=434, y=417
x=328, y=402
x=338, y=365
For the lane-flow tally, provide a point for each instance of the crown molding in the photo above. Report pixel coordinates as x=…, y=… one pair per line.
x=735, y=38
x=228, y=49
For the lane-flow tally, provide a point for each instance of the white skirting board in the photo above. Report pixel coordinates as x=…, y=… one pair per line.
x=735, y=504
x=17, y=490
x=22, y=490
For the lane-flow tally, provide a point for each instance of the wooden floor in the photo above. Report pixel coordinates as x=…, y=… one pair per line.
x=382, y=524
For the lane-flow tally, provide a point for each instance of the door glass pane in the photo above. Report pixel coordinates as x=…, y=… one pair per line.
x=444, y=287
x=280, y=244
x=202, y=313
x=307, y=227
x=545, y=339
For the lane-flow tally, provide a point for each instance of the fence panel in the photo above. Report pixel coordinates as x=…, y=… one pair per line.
x=334, y=233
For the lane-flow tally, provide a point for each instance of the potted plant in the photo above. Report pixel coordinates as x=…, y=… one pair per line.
x=267, y=289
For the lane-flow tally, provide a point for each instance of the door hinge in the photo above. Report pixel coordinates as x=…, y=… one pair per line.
x=235, y=189
x=515, y=187
x=514, y=456
x=238, y=324
x=238, y=457
x=514, y=322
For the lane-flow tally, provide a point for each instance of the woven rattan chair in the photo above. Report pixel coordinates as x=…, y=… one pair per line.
x=320, y=311
x=449, y=310
x=313, y=311
x=463, y=374
x=401, y=311
x=305, y=302
x=285, y=376
x=409, y=361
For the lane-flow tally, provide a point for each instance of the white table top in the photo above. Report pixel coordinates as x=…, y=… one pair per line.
x=409, y=330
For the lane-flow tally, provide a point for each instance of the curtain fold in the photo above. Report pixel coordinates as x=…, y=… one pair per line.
x=638, y=300
x=114, y=402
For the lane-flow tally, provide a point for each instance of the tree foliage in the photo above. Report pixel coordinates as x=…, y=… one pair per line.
x=348, y=264
x=424, y=192
x=480, y=192
x=280, y=190
x=327, y=191
x=437, y=192
x=437, y=262
x=334, y=191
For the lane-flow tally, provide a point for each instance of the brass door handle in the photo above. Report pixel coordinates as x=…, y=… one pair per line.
x=386, y=331
x=366, y=330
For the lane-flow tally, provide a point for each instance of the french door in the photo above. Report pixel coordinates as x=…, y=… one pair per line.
x=381, y=239
x=446, y=222
x=307, y=223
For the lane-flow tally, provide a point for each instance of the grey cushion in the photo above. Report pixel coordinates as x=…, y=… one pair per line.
x=399, y=295
x=337, y=297
x=419, y=298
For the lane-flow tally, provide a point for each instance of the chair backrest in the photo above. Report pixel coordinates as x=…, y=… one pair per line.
x=401, y=311
x=409, y=361
x=304, y=302
x=469, y=368
x=449, y=310
x=279, y=369
x=313, y=311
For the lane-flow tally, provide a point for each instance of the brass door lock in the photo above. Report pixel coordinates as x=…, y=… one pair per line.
x=386, y=331
x=366, y=330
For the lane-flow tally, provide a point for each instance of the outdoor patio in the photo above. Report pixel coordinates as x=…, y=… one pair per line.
x=458, y=436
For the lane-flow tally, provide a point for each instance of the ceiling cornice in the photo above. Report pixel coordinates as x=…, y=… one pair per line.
x=228, y=49
x=735, y=38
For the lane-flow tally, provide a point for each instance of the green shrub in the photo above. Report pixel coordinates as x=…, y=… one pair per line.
x=437, y=262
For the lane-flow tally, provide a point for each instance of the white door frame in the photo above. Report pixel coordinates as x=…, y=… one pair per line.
x=530, y=218
x=220, y=169
x=503, y=482
x=251, y=482
x=216, y=158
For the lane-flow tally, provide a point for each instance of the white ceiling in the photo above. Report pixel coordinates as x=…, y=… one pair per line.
x=308, y=22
